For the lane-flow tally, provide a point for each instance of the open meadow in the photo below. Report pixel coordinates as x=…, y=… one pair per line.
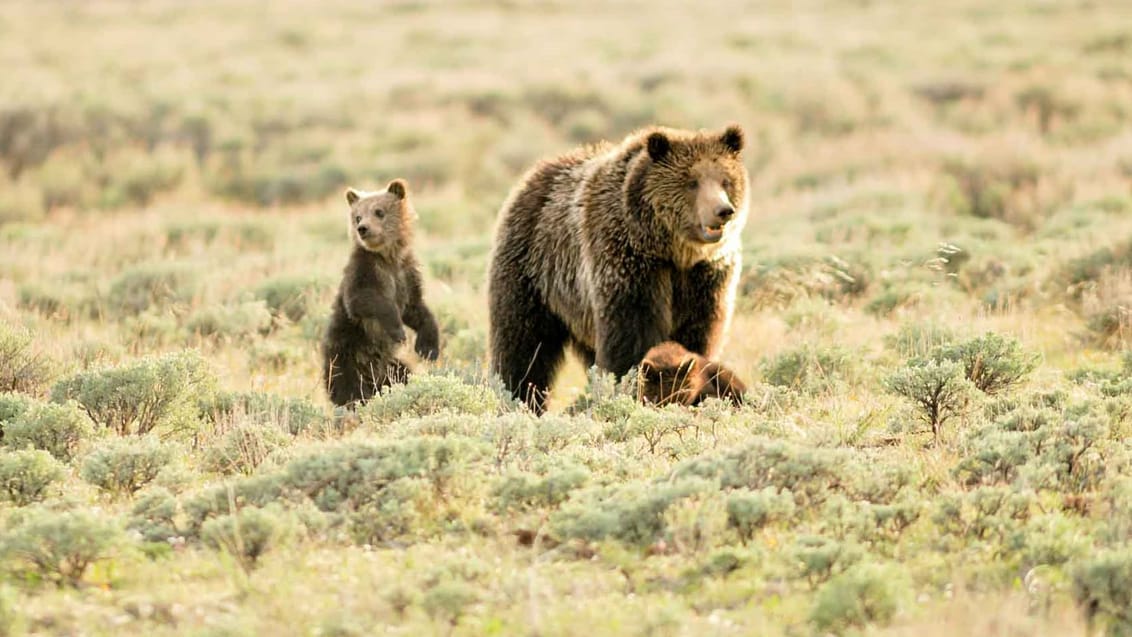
x=934, y=319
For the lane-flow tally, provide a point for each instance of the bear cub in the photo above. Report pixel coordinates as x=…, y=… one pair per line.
x=670, y=374
x=379, y=296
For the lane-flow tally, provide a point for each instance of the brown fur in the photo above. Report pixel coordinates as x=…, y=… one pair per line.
x=606, y=249
x=379, y=295
x=671, y=374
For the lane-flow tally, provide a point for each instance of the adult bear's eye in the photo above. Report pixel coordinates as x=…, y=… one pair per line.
x=727, y=184
x=692, y=184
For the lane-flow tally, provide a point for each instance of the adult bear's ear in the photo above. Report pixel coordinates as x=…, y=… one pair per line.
x=352, y=196
x=659, y=146
x=398, y=187
x=733, y=138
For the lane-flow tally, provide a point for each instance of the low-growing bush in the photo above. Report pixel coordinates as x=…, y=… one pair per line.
x=12, y=406
x=57, y=546
x=144, y=395
x=154, y=515
x=426, y=394
x=939, y=390
x=294, y=415
x=230, y=321
x=27, y=476
x=992, y=362
x=1013, y=189
x=246, y=535
x=918, y=338
x=748, y=511
x=522, y=490
x=291, y=296
x=1103, y=587
x=60, y=430
x=23, y=368
x=867, y=593
x=632, y=513
x=243, y=447
x=810, y=369
x=125, y=465
x=148, y=285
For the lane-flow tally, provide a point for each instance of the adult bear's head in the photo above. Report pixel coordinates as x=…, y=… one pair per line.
x=697, y=184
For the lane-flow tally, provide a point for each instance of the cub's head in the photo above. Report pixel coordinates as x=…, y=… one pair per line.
x=381, y=221
x=669, y=374
x=698, y=184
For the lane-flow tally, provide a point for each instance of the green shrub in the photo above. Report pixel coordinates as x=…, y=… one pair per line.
x=1013, y=189
x=449, y=600
x=60, y=430
x=1102, y=586
x=938, y=389
x=124, y=465
x=12, y=406
x=918, y=338
x=749, y=511
x=141, y=396
x=57, y=546
x=27, y=475
x=866, y=593
x=819, y=558
x=382, y=490
x=993, y=363
x=149, y=285
x=807, y=368
x=246, y=535
x=1111, y=327
x=522, y=490
x=22, y=367
x=243, y=448
x=294, y=415
x=633, y=513
x=426, y=394
x=231, y=322
x=809, y=474
x=153, y=515
x=291, y=296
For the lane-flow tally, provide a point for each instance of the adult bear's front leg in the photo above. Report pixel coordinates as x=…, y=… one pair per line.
x=632, y=317
x=704, y=299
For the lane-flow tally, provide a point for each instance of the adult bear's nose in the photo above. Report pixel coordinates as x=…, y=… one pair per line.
x=724, y=214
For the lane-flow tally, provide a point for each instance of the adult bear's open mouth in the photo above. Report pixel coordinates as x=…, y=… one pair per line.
x=711, y=234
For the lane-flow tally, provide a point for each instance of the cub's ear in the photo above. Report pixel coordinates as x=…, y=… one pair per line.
x=352, y=196
x=398, y=187
x=732, y=138
x=659, y=146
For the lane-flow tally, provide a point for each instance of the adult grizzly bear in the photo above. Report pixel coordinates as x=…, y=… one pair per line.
x=613, y=249
x=671, y=374
x=379, y=296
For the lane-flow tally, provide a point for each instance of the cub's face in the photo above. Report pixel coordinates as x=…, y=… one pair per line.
x=379, y=221
x=700, y=183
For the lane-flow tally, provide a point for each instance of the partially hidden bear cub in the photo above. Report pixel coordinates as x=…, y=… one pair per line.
x=670, y=374
x=379, y=296
x=612, y=249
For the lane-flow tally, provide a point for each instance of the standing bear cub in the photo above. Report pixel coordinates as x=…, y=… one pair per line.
x=614, y=249
x=380, y=294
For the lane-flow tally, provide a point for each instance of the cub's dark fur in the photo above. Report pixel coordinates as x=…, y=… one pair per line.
x=380, y=294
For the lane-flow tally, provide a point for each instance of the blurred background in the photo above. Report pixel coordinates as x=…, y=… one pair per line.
x=171, y=172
